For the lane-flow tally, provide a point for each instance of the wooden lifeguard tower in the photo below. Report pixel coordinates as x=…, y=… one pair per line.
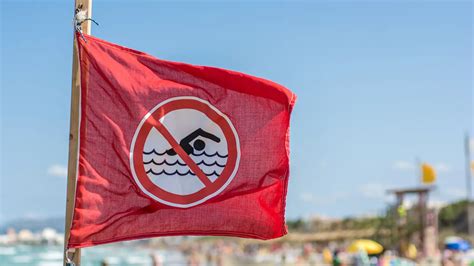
x=428, y=224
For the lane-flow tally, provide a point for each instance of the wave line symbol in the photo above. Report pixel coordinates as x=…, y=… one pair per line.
x=155, y=152
x=176, y=172
x=177, y=162
x=210, y=155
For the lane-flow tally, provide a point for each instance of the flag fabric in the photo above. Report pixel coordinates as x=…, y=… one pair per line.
x=428, y=174
x=169, y=148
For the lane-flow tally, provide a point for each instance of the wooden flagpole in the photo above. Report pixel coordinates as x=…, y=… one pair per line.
x=75, y=256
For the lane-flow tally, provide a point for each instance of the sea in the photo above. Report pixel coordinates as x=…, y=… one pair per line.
x=51, y=255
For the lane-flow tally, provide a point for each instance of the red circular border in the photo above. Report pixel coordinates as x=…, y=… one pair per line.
x=143, y=134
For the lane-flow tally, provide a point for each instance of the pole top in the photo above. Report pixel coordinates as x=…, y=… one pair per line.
x=82, y=16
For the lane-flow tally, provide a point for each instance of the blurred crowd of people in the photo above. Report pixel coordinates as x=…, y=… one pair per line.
x=221, y=253
x=232, y=253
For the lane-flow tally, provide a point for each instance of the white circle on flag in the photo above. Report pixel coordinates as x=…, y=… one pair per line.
x=184, y=152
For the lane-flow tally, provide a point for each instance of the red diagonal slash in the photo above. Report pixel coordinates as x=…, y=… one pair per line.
x=179, y=150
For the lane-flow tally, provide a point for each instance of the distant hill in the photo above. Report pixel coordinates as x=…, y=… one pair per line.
x=34, y=224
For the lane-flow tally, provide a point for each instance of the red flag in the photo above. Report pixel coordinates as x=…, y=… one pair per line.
x=169, y=148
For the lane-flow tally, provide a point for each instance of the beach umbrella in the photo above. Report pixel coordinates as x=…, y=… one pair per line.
x=456, y=243
x=370, y=246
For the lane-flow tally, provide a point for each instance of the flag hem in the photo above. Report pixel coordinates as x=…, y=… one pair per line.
x=291, y=104
x=287, y=98
x=225, y=233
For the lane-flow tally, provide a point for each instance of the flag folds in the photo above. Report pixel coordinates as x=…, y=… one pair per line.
x=169, y=148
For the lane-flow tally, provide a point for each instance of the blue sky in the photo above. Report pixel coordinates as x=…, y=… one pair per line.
x=379, y=84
